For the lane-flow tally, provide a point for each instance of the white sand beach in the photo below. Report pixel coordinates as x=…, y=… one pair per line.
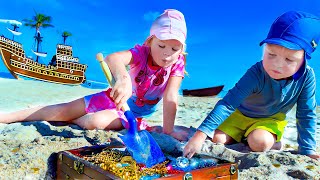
x=28, y=149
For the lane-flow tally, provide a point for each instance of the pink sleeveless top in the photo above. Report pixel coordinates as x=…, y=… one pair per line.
x=148, y=81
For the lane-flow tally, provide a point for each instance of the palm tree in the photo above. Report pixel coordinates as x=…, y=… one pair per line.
x=38, y=21
x=65, y=35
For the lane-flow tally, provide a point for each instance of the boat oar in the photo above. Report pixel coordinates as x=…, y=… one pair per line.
x=141, y=145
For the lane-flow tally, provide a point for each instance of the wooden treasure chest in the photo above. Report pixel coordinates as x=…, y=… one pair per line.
x=114, y=162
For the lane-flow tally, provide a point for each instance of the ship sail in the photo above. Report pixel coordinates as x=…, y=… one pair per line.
x=41, y=54
x=15, y=25
x=11, y=22
x=15, y=32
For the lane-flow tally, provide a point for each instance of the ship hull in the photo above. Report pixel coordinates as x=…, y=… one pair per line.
x=18, y=64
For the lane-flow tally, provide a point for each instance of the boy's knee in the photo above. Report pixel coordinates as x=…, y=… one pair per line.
x=221, y=137
x=261, y=140
x=260, y=146
x=218, y=139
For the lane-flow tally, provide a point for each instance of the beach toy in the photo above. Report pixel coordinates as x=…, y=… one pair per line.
x=141, y=145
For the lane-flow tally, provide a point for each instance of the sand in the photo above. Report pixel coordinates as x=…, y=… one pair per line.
x=28, y=150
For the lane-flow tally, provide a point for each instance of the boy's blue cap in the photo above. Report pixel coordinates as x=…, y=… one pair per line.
x=295, y=30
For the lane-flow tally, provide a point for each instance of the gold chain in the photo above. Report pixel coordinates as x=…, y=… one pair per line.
x=125, y=167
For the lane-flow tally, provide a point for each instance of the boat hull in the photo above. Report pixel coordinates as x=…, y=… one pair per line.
x=18, y=64
x=211, y=91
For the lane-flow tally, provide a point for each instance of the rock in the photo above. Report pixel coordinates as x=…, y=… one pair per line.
x=249, y=160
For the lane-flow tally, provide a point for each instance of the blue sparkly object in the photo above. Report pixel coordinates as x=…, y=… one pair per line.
x=185, y=164
x=182, y=162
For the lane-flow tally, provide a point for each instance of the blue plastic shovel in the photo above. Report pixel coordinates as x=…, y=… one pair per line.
x=141, y=145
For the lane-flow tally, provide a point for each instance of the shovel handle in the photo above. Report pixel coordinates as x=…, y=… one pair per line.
x=109, y=76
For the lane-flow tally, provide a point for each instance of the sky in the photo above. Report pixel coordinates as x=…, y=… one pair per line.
x=222, y=40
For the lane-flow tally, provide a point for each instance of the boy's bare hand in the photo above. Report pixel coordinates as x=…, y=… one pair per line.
x=194, y=144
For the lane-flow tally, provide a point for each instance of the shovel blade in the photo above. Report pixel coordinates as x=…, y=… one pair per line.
x=143, y=148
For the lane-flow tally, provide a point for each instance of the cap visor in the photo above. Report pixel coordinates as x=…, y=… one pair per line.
x=283, y=43
x=167, y=36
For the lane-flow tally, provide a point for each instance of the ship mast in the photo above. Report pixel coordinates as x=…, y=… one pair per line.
x=15, y=27
x=38, y=40
x=38, y=21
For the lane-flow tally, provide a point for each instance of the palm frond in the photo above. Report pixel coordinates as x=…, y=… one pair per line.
x=66, y=34
x=47, y=25
x=39, y=20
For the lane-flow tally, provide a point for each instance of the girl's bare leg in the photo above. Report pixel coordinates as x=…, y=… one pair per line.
x=73, y=112
x=105, y=119
x=58, y=112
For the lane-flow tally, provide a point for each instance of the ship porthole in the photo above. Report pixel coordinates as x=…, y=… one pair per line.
x=71, y=71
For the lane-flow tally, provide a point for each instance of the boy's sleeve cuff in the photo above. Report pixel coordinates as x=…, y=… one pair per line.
x=206, y=130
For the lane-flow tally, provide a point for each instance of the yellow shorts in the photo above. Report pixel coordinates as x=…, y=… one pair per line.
x=238, y=126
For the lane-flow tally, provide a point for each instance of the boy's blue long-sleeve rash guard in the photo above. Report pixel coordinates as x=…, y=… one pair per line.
x=257, y=95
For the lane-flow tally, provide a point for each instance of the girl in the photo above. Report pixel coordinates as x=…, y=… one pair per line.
x=156, y=71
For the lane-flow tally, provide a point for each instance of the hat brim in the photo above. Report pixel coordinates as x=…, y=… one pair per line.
x=168, y=36
x=281, y=42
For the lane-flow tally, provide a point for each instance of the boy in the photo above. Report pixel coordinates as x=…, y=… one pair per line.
x=255, y=108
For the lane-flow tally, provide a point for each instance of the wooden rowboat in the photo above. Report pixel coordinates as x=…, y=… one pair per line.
x=210, y=91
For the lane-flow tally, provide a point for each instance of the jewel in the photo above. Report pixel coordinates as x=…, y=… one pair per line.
x=169, y=167
x=194, y=163
x=118, y=165
x=182, y=162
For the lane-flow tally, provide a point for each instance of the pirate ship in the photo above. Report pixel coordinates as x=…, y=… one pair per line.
x=63, y=68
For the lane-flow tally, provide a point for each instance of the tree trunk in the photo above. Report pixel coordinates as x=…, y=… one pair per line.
x=38, y=43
